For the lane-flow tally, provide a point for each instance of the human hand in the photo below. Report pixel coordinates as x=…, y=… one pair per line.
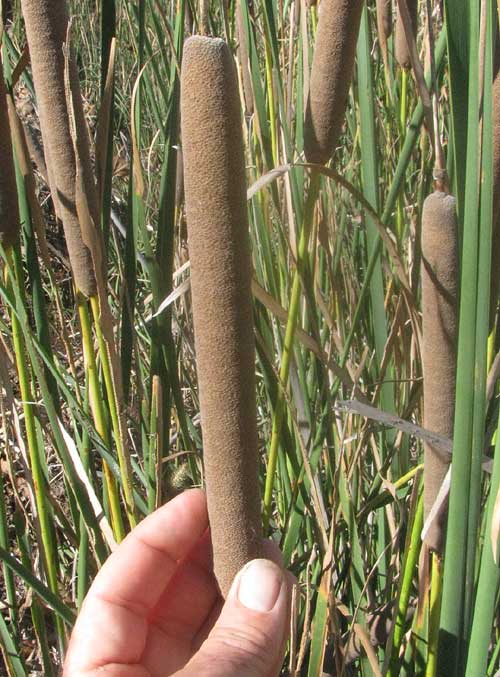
x=155, y=608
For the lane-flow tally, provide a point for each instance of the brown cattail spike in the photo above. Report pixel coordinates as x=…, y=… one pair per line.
x=46, y=28
x=9, y=210
x=331, y=74
x=440, y=273
x=401, y=48
x=215, y=194
x=384, y=19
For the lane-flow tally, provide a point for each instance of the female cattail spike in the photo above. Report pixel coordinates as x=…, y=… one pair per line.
x=9, y=210
x=384, y=19
x=46, y=29
x=331, y=74
x=440, y=274
x=215, y=195
x=401, y=48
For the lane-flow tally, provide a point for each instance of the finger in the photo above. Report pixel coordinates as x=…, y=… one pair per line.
x=113, y=623
x=182, y=610
x=246, y=639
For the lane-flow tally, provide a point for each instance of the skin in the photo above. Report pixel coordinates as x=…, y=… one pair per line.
x=155, y=608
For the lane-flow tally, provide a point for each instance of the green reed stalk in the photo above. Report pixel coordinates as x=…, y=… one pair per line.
x=293, y=312
x=114, y=410
x=49, y=550
x=97, y=406
x=412, y=551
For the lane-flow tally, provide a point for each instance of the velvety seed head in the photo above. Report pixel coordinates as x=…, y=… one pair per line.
x=384, y=19
x=331, y=75
x=215, y=195
x=440, y=275
x=46, y=28
x=9, y=210
x=401, y=49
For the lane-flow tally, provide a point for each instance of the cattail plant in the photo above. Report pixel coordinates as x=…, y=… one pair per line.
x=401, y=49
x=440, y=279
x=46, y=27
x=384, y=19
x=331, y=75
x=215, y=194
x=70, y=173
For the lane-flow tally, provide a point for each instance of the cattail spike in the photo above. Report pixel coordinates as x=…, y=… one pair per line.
x=331, y=75
x=9, y=209
x=46, y=29
x=401, y=49
x=440, y=273
x=384, y=19
x=215, y=195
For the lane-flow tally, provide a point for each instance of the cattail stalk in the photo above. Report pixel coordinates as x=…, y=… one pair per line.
x=215, y=194
x=331, y=74
x=439, y=351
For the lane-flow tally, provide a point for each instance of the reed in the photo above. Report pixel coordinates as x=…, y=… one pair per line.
x=331, y=75
x=401, y=49
x=440, y=279
x=215, y=193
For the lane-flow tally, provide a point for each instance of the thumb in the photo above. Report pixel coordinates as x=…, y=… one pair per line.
x=249, y=636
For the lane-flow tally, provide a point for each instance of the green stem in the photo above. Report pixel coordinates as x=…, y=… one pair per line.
x=48, y=549
x=410, y=563
x=97, y=406
x=435, y=611
x=291, y=325
x=123, y=460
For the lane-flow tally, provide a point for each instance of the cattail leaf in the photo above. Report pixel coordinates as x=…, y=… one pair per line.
x=495, y=529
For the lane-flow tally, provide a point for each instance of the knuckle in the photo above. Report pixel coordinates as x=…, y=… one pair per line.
x=241, y=647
